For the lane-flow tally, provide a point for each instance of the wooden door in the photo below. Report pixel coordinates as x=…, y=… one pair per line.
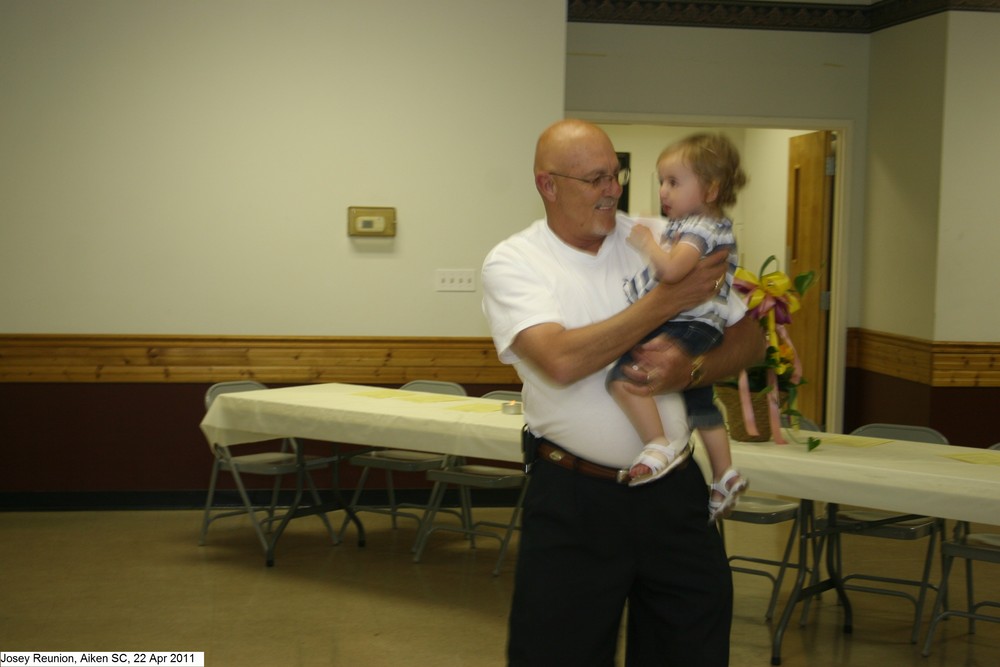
x=811, y=169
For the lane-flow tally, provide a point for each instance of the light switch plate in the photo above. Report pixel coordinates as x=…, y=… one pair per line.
x=371, y=221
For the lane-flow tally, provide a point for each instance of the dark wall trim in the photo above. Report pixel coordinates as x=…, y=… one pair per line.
x=963, y=414
x=195, y=500
x=67, y=444
x=768, y=15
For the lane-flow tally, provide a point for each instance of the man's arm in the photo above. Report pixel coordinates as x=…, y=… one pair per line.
x=568, y=355
x=665, y=367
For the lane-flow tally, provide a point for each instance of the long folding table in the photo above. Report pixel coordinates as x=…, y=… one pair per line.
x=945, y=481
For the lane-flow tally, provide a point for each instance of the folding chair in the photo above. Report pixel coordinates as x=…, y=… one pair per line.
x=466, y=477
x=398, y=460
x=275, y=463
x=766, y=511
x=972, y=547
x=763, y=510
x=853, y=521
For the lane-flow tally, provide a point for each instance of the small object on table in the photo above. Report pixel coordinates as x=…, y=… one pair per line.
x=511, y=407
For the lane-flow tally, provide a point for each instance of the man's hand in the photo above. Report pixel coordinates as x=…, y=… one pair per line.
x=661, y=366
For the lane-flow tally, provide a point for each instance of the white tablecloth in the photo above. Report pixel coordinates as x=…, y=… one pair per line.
x=945, y=481
x=938, y=480
x=361, y=415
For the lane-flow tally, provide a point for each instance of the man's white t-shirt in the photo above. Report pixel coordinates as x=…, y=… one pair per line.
x=533, y=277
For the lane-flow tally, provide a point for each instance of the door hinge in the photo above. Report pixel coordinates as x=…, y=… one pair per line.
x=824, y=301
x=831, y=165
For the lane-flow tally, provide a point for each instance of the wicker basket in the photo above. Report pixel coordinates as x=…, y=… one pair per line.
x=730, y=399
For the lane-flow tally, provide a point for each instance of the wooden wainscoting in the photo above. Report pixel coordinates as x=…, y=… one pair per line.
x=88, y=416
x=932, y=363
x=112, y=421
x=395, y=360
x=953, y=387
x=269, y=359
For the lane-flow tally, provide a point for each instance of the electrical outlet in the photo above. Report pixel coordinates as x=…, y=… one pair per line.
x=454, y=280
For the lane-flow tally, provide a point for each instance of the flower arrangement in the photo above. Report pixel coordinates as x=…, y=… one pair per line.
x=771, y=299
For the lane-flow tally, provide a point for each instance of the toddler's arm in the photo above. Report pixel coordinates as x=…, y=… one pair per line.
x=671, y=263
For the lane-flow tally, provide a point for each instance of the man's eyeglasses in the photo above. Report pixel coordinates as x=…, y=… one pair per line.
x=621, y=176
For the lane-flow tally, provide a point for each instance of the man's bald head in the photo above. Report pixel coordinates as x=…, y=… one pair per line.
x=565, y=144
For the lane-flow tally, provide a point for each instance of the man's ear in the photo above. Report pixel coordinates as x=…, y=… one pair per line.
x=546, y=186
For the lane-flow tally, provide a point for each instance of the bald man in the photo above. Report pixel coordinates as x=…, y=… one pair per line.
x=590, y=543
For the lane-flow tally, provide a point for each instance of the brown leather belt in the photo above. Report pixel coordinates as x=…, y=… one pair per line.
x=563, y=459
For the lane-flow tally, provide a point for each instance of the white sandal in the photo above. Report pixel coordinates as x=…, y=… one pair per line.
x=660, y=459
x=718, y=509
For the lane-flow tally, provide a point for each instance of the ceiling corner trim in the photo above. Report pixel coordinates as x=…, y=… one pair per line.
x=758, y=15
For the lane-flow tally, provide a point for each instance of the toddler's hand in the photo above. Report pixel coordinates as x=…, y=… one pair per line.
x=640, y=237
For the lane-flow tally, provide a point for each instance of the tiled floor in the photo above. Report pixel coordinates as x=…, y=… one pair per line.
x=110, y=581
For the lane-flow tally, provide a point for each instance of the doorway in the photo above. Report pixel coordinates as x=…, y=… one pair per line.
x=811, y=174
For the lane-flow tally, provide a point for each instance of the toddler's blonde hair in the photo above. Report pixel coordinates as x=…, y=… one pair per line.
x=715, y=161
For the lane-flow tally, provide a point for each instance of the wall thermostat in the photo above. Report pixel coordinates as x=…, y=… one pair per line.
x=371, y=221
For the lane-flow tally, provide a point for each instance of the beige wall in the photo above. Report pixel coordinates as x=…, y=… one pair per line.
x=716, y=73
x=186, y=166
x=904, y=167
x=969, y=234
x=932, y=235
